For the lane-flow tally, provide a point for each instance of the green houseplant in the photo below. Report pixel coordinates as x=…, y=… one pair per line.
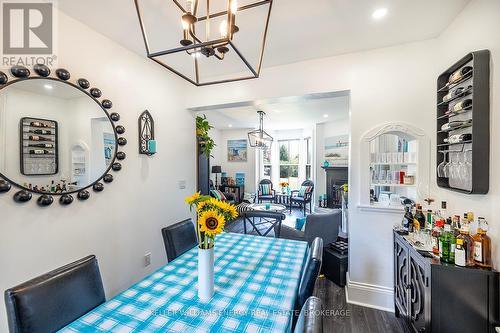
x=205, y=142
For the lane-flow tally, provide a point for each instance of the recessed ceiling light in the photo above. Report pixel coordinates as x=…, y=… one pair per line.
x=325, y=116
x=230, y=125
x=379, y=13
x=48, y=86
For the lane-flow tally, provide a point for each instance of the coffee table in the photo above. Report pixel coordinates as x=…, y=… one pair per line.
x=272, y=207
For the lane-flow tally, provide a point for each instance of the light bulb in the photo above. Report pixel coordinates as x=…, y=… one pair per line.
x=189, y=6
x=185, y=25
x=234, y=6
x=223, y=29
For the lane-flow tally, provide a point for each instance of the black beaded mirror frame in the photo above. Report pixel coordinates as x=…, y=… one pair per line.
x=21, y=73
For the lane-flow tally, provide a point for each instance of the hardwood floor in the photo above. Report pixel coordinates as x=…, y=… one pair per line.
x=340, y=317
x=350, y=318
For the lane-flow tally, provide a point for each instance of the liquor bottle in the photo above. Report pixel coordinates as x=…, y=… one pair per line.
x=418, y=219
x=436, y=233
x=467, y=244
x=408, y=219
x=447, y=244
x=482, y=245
x=53, y=187
x=430, y=219
x=39, y=152
x=458, y=138
x=459, y=74
x=455, y=225
x=460, y=253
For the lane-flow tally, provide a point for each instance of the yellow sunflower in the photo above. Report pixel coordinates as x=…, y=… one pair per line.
x=202, y=205
x=211, y=222
x=190, y=200
x=228, y=208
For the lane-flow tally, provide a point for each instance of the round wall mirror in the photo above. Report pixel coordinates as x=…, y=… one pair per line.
x=56, y=138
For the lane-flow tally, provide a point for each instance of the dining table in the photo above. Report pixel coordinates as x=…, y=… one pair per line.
x=256, y=282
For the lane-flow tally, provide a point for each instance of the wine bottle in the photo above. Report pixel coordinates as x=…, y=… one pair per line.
x=459, y=74
x=458, y=138
x=38, y=124
x=40, y=131
x=41, y=145
x=38, y=138
x=462, y=105
x=39, y=152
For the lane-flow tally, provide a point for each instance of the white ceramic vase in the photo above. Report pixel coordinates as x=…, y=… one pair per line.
x=205, y=274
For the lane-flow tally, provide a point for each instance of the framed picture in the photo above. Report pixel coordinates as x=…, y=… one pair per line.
x=337, y=150
x=237, y=150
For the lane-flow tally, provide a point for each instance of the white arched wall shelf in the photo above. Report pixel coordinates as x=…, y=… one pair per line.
x=421, y=164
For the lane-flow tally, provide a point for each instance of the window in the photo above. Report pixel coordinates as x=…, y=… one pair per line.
x=289, y=162
x=268, y=168
x=308, y=158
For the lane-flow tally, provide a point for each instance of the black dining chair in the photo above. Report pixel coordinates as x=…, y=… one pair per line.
x=262, y=195
x=272, y=219
x=51, y=301
x=310, y=319
x=310, y=273
x=302, y=199
x=179, y=238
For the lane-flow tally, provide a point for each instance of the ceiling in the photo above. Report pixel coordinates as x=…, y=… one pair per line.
x=281, y=113
x=298, y=30
x=49, y=88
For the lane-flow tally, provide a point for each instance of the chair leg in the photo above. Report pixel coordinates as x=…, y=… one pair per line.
x=290, y=207
x=245, y=225
x=305, y=208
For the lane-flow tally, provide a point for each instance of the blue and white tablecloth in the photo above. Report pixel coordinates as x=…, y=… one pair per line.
x=256, y=280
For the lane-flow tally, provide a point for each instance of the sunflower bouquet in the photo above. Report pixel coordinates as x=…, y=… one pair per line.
x=212, y=216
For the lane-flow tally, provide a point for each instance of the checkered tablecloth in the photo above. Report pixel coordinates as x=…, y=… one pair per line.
x=256, y=280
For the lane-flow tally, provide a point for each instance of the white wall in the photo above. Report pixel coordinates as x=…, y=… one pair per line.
x=123, y=222
x=390, y=84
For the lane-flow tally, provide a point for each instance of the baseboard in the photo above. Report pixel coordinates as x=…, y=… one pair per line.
x=369, y=295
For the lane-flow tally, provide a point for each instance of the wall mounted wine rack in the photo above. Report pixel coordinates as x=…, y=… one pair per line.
x=39, y=146
x=463, y=125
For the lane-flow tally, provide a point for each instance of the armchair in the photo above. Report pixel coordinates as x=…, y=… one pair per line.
x=326, y=226
x=303, y=196
x=266, y=191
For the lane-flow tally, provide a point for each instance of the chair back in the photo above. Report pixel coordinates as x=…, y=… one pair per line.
x=264, y=214
x=308, y=194
x=325, y=226
x=53, y=300
x=310, y=273
x=266, y=182
x=310, y=319
x=179, y=238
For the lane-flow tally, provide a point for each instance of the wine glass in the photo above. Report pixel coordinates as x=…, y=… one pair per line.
x=441, y=167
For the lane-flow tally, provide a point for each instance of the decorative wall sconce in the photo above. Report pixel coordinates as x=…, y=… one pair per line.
x=147, y=142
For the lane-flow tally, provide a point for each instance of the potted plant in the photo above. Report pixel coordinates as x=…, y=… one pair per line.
x=205, y=142
x=212, y=215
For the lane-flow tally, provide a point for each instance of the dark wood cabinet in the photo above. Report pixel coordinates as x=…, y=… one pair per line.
x=430, y=296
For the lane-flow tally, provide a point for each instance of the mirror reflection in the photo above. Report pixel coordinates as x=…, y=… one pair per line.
x=53, y=137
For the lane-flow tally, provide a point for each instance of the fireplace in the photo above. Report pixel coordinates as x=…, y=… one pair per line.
x=335, y=178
